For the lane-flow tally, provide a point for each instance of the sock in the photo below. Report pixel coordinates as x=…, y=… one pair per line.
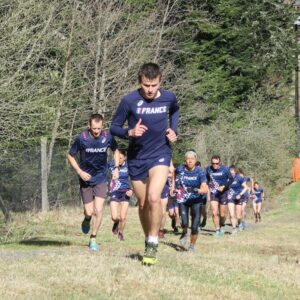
x=93, y=236
x=88, y=219
x=153, y=239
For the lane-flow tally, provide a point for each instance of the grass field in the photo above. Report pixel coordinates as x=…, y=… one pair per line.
x=46, y=257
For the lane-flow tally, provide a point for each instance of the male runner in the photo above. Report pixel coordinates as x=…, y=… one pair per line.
x=219, y=179
x=152, y=114
x=236, y=191
x=92, y=144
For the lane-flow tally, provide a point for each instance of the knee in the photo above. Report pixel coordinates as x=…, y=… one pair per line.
x=98, y=212
x=215, y=214
x=122, y=219
x=154, y=199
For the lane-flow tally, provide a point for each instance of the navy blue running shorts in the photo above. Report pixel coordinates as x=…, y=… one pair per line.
x=220, y=197
x=139, y=168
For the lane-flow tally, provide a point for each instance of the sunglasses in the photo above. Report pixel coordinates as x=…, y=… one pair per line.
x=215, y=163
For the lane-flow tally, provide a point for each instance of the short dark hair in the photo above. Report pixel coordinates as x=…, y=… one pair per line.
x=123, y=151
x=255, y=183
x=96, y=117
x=215, y=157
x=150, y=71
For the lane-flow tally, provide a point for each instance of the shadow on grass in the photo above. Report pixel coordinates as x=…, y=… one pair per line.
x=43, y=242
x=207, y=232
x=172, y=232
x=135, y=256
x=174, y=246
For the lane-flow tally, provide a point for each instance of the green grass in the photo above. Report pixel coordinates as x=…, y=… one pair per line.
x=44, y=256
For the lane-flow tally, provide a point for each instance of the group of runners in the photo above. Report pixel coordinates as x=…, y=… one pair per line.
x=152, y=115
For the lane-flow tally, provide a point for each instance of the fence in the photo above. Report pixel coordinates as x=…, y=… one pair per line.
x=21, y=180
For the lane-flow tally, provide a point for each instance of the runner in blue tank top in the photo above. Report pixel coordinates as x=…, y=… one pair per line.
x=120, y=193
x=191, y=179
x=258, y=197
x=245, y=199
x=235, y=193
x=92, y=144
x=152, y=114
x=219, y=179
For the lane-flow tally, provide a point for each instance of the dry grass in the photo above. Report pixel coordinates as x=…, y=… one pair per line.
x=45, y=257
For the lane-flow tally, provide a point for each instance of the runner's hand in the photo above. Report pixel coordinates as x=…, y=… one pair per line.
x=171, y=135
x=221, y=188
x=129, y=193
x=84, y=175
x=138, y=130
x=115, y=174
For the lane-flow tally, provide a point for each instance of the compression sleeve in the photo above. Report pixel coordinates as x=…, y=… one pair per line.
x=174, y=115
x=119, y=119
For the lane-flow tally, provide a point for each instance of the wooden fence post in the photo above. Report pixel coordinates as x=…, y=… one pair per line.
x=44, y=173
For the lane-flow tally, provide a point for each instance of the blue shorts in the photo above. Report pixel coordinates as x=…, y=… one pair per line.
x=138, y=169
x=257, y=201
x=245, y=197
x=119, y=196
x=220, y=197
x=172, y=202
x=165, y=192
x=236, y=201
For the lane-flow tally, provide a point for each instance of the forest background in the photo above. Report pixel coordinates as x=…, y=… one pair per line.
x=230, y=63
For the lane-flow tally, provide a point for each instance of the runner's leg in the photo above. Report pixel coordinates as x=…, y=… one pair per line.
x=123, y=215
x=157, y=178
x=215, y=214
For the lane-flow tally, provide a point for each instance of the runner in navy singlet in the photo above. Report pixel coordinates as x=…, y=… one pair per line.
x=92, y=144
x=258, y=197
x=245, y=199
x=191, y=180
x=152, y=114
x=120, y=193
x=219, y=179
x=235, y=193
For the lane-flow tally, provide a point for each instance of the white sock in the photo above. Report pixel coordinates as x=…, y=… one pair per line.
x=153, y=239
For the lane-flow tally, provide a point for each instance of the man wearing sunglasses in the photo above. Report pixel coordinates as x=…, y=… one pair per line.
x=219, y=179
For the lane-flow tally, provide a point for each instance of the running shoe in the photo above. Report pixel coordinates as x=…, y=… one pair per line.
x=176, y=229
x=222, y=229
x=161, y=234
x=115, y=228
x=183, y=239
x=218, y=233
x=93, y=245
x=120, y=236
x=85, y=226
x=192, y=249
x=241, y=226
x=149, y=257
